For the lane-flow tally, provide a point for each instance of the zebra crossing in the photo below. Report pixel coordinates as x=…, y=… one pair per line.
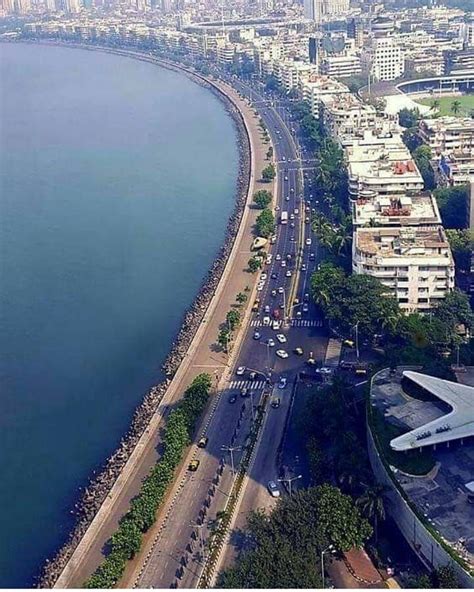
x=252, y=385
x=293, y=323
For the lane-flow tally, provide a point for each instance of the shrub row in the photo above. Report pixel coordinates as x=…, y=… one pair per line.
x=126, y=541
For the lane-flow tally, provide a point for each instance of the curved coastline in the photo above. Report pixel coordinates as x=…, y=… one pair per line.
x=99, y=486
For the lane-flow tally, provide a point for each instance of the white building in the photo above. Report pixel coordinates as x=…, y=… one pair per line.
x=414, y=263
x=317, y=87
x=385, y=59
x=341, y=66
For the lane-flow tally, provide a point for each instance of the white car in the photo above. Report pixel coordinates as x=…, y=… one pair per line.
x=288, y=273
x=273, y=239
x=269, y=259
x=256, y=335
x=287, y=198
x=271, y=343
x=281, y=289
x=260, y=287
x=263, y=277
x=278, y=256
x=266, y=321
x=240, y=371
x=323, y=370
x=273, y=489
x=281, y=338
x=283, y=263
x=281, y=353
x=308, y=242
x=292, y=216
x=282, y=383
x=276, y=325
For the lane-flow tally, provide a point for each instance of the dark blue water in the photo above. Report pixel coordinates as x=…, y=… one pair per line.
x=117, y=179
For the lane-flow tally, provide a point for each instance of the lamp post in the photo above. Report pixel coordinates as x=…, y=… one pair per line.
x=231, y=449
x=290, y=480
x=330, y=548
x=356, y=326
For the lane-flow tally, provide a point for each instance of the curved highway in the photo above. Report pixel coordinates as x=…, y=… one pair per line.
x=176, y=557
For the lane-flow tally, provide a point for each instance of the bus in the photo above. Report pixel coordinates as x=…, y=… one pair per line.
x=284, y=218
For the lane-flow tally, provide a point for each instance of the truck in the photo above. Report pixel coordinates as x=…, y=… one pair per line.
x=284, y=218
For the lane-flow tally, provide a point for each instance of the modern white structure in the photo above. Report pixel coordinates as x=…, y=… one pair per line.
x=385, y=59
x=457, y=424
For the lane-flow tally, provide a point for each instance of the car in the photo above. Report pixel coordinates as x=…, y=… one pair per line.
x=308, y=242
x=297, y=211
x=307, y=220
x=298, y=351
x=281, y=338
x=305, y=307
x=286, y=178
x=260, y=287
x=273, y=293
x=319, y=266
x=271, y=343
x=292, y=225
x=287, y=198
x=311, y=362
x=292, y=216
x=256, y=335
x=274, y=276
x=267, y=309
x=288, y=273
x=303, y=267
x=288, y=257
x=348, y=343
x=276, y=325
x=244, y=392
x=292, y=239
x=282, y=306
x=298, y=314
x=281, y=353
x=312, y=256
x=194, y=465
x=324, y=370
x=283, y=263
x=232, y=398
x=306, y=297
x=281, y=289
x=278, y=256
x=275, y=402
x=203, y=442
x=269, y=259
x=253, y=375
x=273, y=239
x=266, y=321
x=282, y=382
x=240, y=371
x=263, y=276
x=277, y=208
x=273, y=489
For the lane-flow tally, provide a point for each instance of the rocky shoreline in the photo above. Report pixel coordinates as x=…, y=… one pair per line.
x=100, y=485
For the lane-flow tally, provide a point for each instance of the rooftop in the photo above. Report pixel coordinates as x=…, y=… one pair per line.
x=400, y=242
x=449, y=122
x=441, y=494
x=397, y=210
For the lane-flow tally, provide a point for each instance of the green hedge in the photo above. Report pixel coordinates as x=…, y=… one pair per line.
x=126, y=541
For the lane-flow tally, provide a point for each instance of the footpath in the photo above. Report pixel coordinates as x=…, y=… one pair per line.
x=203, y=356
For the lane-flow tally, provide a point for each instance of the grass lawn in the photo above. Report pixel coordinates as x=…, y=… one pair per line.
x=467, y=104
x=413, y=462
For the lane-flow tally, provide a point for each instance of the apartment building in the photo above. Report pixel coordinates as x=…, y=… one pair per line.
x=385, y=59
x=341, y=66
x=381, y=166
x=315, y=88
x=345, y=115
x=414, y=263
x=451, y=140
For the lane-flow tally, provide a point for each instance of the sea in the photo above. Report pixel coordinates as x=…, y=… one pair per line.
x=117, y=178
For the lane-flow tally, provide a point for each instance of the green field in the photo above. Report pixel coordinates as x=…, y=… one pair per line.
x=467, y=104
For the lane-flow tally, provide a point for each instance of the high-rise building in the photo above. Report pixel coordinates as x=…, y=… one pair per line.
x=313, y=50
x=313, y=10
x=22, y=6
x=72, y=6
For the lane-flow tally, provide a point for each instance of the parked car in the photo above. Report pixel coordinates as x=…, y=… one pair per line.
x=194, y=465
x=240, y=371
x=203, y=442
x=282, y=383
x=281, y=353
x=273, y=489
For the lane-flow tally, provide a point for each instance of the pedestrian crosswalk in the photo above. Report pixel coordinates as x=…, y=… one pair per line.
x=252, y=385
x=293, y=323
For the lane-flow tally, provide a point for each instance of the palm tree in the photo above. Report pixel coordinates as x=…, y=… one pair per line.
x=456, y=106
x=372, y=505
x=435, y=105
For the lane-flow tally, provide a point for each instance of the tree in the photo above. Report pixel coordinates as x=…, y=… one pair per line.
x=456, y=106
x=452, y=203
x=408, y=117
x=262, y=198
x=268, y=173
x=241, y=297
x=265, y=223
x=254, y=264
x=372, y=505
x=435, y=104
x=327, y=285
x=270, y=152
x=453, y=311
x=444, y=578
x=223, y=338
x=422, y=156
x=411, y=138
x=233, y=319
x=462, y=245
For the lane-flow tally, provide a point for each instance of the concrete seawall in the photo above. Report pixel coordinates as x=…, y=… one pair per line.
x=106, y=488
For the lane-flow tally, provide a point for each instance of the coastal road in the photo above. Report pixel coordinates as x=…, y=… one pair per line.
x=175, y=555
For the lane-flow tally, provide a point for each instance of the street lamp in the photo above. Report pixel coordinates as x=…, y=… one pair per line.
x=356, y=326
x=290, y=480
x=231, y=449
x=323, y=551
